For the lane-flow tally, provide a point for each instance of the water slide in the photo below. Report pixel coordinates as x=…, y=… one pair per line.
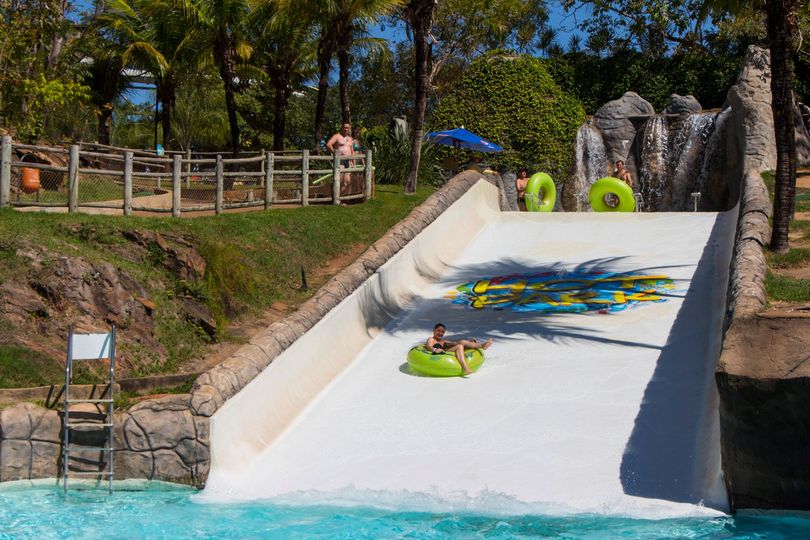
x=597, y=396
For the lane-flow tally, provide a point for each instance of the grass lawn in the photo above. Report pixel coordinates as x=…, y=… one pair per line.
x=253, y=260
x=783, y=288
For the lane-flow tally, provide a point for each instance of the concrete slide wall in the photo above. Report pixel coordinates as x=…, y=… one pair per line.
x=254, y=418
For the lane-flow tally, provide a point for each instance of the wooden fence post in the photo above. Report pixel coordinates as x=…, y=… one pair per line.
x=177, y=170
x=73, y=179
x=368, y=176
x=268, y=180
x=263, y=167
x=305, y=178
x=188, y=168
x=336, y=178
x=127, y=183
x=220, y=181
x=5, y=172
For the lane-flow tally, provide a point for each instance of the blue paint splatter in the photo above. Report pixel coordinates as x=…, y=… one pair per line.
x=572, y=292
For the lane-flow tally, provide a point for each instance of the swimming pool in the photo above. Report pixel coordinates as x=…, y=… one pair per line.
x=43, y=511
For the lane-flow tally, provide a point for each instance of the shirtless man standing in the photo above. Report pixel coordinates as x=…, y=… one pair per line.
x=343, y=144
x=437, y=344
x=623, y=174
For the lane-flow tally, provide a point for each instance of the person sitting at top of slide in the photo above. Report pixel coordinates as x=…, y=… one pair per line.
x=623, y=174
x=437, y=344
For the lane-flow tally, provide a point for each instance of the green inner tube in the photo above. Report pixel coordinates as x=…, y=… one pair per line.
x=444, y=364
x=540, y=184
x=615, y=187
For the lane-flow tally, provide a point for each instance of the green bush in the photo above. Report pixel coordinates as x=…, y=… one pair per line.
x=598, y=79
x=391, y=147
x=510, y=99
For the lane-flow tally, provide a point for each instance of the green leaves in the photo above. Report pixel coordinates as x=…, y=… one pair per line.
x=511, y=99
x=43, y=97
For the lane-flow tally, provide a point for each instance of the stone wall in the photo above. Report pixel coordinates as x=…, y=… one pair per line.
x=762, y=376
x=168, y=438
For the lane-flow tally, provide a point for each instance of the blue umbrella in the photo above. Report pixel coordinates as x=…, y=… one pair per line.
x=461, y=138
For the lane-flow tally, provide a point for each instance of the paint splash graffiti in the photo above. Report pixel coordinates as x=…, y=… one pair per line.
x=554, y=292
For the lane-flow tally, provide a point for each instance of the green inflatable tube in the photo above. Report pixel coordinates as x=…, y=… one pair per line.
x=615, y=187
x=540, y=183
x=444, y=364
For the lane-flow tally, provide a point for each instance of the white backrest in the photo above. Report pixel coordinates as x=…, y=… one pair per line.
x=90, y=346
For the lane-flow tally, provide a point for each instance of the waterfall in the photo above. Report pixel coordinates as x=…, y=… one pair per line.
x=674, y=156
x=590, y=162
x=714, y=148
x=687, y=153
x=654, y=172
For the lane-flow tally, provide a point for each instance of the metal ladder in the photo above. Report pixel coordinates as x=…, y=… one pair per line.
x=89, y=347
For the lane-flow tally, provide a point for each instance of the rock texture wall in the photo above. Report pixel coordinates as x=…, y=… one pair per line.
x=168, y=438
x=762, y=376
x=618, y=130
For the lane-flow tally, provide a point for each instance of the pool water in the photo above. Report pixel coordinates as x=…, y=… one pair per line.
x=45, y=512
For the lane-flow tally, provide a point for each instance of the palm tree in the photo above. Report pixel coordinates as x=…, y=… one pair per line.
x=105, y=76
x=320, y=13
x=782, y=23
x=339, y=22
x=284, y=49
x=217, y=27
x=154, y=38
x=199, y=117
x=782, y=31
x=419, y=14
x=349, y=18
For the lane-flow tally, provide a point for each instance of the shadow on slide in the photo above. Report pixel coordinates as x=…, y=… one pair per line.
x=669, y=454
x=555, y=327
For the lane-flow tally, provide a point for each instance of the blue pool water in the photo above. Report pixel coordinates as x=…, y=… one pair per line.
x=45, y=512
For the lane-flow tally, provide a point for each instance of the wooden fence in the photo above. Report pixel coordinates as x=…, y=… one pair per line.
x=90, y=177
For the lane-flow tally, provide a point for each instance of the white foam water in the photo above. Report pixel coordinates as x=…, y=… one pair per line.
x=590, y=163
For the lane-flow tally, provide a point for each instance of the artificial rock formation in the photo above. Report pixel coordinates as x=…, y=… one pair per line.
x=763, y=376
x=30, y=442
x=618, y=120
x=764, y=383
x=678, y=104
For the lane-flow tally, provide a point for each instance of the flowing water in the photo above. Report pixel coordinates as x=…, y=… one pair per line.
x=654, y=170
x=714, y=149
x=177, y=513
x=688, y=150
x=590, y=163
x=677, y=159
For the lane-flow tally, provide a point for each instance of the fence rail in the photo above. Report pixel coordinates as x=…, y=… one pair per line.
x=92, y=176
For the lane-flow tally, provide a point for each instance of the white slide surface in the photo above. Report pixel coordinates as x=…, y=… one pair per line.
x=609, y=411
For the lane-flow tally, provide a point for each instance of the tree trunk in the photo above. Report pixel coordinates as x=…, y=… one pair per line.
x=58, y=40
x=781, y=31
x=326, y=49
x=420, y=18
x=344, y=44
x=280, y=115
x=166, y=97
x=104, y=119
x=225, y=54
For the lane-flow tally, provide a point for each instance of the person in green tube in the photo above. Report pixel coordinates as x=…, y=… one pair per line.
x=438, y=345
